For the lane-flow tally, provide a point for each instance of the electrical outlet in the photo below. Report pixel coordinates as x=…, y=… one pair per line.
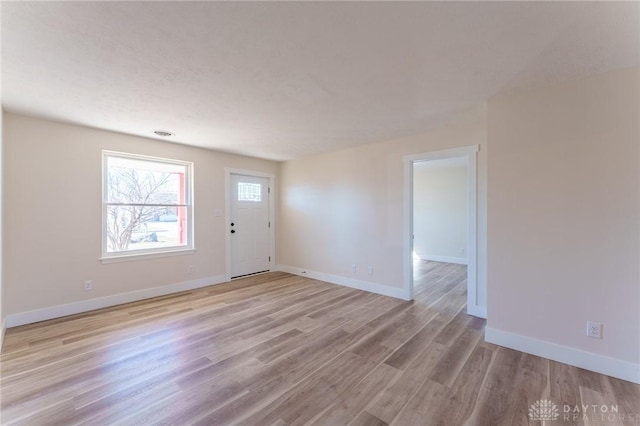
x=354, y=268
x=462, y=250
x=594, y=330
x=190, y=270
x=370, y=270
x=88, y=285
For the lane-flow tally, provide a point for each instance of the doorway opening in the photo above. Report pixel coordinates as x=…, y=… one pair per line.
x=440, y=226
x=249, y=223
x=442, y=241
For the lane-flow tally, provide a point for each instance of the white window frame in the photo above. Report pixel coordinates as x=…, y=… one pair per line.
x=138, y=254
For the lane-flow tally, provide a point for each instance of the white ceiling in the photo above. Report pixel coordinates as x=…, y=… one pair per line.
x=283, y=80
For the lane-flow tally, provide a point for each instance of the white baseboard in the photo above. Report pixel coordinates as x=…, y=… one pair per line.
x=613, y=367
x=477, y=311
x=445, y=259
x=3, y=328
x=398, y=293
x=58, y=311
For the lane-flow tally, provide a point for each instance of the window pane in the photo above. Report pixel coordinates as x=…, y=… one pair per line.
x=249, y=191
x=138, y=228
x=141, y=207
x=144, y=182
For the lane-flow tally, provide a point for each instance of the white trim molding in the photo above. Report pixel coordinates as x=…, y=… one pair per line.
x=396, y=292
x=135, y=257
x=3, y=328
x=58, y=311
x=471, y=154
x=613, y=367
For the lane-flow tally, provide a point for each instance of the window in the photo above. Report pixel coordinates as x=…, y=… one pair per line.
x=249, y=191
x=147, y=205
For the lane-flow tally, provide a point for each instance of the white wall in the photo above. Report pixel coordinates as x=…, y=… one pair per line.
x=53, y=215
x=346, y=207
x=564, y=221
x=440, y=210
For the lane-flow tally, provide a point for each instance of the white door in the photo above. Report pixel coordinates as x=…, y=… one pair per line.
x=249, y=225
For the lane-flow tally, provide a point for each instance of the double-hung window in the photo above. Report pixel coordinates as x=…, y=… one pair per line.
x=147, y=205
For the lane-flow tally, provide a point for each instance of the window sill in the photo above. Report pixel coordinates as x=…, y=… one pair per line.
x=144, y=256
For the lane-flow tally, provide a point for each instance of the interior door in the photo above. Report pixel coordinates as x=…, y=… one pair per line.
x=249, y=225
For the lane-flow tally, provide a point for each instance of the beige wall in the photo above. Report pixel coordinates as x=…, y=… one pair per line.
x=564, y=213
x=345, y=207
x=440, y=210
x=2, y=291
x=53, y=215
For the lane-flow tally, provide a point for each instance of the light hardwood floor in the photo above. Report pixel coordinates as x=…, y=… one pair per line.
x=278, y=349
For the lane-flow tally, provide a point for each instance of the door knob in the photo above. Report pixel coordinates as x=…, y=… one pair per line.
x=233, y=231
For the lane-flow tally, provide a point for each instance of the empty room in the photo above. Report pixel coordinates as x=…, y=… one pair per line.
x=320, y=213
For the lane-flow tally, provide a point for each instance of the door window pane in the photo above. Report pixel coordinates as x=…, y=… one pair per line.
x=249, y=191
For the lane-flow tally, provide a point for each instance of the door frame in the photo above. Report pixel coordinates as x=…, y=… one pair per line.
x=471, y=154
x=228, y=171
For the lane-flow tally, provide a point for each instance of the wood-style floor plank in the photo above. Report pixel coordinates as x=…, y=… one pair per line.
x=277, y=349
